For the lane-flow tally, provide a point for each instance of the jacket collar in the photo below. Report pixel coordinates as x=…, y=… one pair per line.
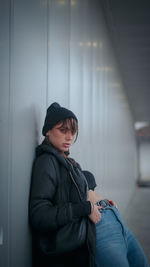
x=47, y=147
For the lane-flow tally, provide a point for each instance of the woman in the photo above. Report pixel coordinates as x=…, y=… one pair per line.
x=58, y=197
x=115, y=244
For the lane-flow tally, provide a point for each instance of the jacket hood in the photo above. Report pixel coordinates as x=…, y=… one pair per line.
x=72, y=166
x=47, y=147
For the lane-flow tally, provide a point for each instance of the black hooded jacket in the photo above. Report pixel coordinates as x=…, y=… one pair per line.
x=57, y=199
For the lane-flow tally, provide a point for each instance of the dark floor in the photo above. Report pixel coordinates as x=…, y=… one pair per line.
x=137, y=217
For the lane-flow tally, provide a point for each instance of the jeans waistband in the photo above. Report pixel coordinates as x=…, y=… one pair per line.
x=104, y=203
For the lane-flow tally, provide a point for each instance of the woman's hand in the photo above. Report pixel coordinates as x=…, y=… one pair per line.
x=93, y=196
x=95, y=215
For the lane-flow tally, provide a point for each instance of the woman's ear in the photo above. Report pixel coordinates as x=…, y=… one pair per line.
x=47, y=134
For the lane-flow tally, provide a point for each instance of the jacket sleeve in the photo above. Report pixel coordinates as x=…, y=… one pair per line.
x=44, y=216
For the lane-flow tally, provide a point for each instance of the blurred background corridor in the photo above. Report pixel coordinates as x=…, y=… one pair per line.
x=92, y=56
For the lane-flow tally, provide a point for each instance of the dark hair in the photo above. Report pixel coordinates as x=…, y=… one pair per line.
x=73, y=124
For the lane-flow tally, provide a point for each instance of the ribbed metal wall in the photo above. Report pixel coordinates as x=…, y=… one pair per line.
x=58, y=50
x=144, y=156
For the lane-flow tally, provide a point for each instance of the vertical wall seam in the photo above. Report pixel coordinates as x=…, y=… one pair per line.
x=10, y=126
x=47, y=54
x=69, y=51
x=82, y=81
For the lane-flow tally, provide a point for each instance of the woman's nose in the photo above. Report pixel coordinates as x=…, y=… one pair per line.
x=69, y=135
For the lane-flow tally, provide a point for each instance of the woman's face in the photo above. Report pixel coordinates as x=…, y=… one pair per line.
x=61, y=137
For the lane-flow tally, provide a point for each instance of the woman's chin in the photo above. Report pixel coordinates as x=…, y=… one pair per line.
x=65, y=150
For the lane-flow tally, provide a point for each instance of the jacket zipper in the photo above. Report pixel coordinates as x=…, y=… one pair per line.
x=76, y=185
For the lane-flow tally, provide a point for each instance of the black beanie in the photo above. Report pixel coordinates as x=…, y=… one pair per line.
x=90, y=179
x=56, y=113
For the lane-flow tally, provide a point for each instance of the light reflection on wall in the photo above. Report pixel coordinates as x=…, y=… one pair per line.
x=62, y=3
x=91, y=44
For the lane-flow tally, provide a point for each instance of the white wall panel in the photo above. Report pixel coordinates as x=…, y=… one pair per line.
x=59, y=50
x=5, y=129
x=86, y=48
x=76, y=57
x=107, y=141
x=27, y=91
x=76, y=68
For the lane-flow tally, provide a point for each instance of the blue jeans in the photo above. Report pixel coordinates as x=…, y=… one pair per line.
x=115, y=244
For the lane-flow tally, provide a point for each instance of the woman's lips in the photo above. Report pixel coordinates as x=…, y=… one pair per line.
x=67, y=145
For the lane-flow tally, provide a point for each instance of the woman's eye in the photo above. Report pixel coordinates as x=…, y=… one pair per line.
x=62, y=130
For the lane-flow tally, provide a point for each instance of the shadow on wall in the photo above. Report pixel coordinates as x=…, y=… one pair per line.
x=16, y=167
x=36, y=138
